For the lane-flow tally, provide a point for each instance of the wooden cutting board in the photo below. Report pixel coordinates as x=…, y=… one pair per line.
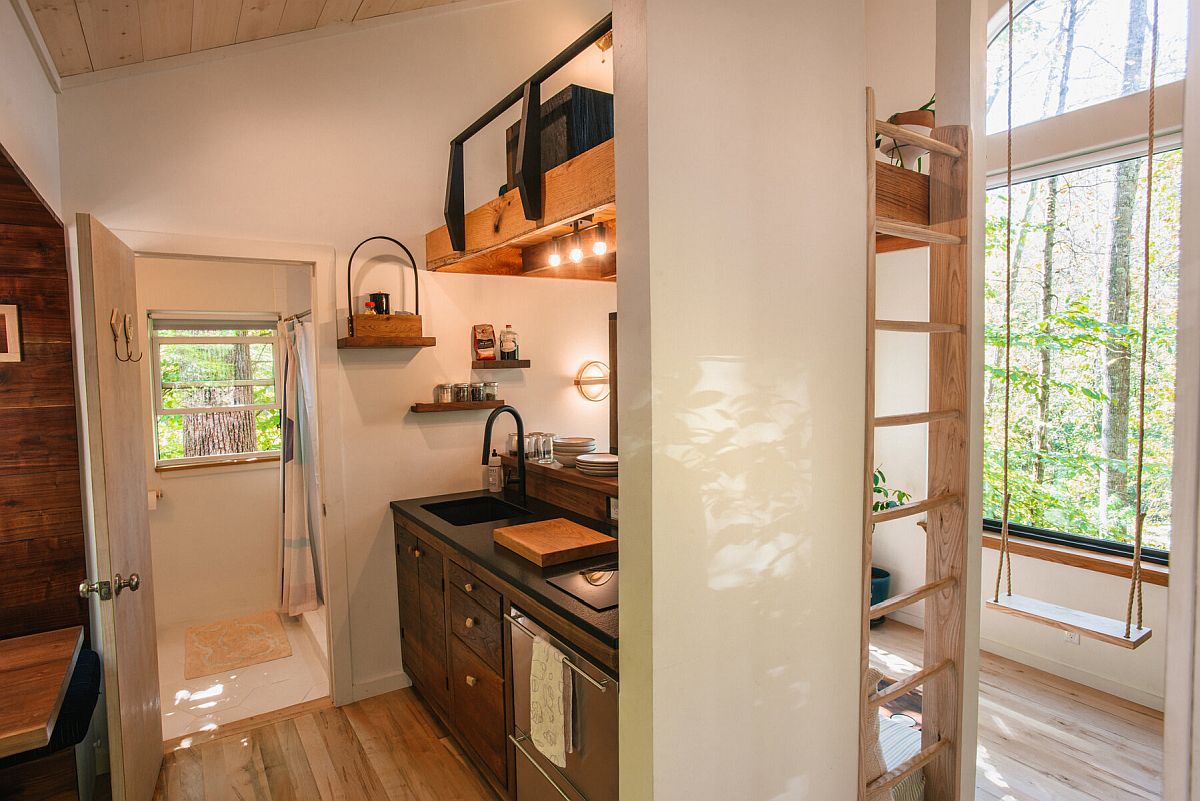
x=554, y=542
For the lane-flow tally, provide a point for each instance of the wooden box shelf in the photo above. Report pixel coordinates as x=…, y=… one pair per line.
x=499, y=364
x=459, y=406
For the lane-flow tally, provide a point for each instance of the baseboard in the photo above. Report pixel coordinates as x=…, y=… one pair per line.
x=1075, y=674
x=378, y=685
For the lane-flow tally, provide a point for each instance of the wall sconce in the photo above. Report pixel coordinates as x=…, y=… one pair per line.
x=592, y=381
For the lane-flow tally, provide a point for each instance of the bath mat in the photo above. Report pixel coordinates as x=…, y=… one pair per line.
x=231, y=644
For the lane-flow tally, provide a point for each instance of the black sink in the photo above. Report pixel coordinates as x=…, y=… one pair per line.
x=470, y=511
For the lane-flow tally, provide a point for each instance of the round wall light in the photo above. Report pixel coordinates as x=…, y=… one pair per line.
x=592, y=381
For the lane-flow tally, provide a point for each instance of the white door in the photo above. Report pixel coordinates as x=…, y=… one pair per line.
x=118, y=488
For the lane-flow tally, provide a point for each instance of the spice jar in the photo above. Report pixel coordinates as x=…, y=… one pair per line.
x=477, y=391
x=491, y=390
x=462, y=393
x=443, y=393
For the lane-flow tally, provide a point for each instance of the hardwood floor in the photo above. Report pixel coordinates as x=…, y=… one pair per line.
x=388, y=748
x=1044, y=738
x=1041, y=738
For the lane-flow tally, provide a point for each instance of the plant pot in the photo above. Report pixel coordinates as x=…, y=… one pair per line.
x=881, y=590
x=920, y=121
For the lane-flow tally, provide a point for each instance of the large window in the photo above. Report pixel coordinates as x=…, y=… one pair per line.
x=1077, y=250
x=215, y=388
x=1068, y=54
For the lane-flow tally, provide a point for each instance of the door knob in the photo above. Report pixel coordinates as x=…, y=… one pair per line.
x=132, y=583
x=471, y=681
x=101, y=588
x=469, y=622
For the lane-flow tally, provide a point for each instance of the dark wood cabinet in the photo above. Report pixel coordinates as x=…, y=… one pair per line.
x=478, y=708
x=420, y=579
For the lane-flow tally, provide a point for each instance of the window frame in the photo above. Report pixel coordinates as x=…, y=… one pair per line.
x=198, y=321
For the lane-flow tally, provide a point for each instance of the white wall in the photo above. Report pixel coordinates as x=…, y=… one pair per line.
x=742, y=194
x=28, y=110
x=331, y=141
x=901, y=68
x=215, y=534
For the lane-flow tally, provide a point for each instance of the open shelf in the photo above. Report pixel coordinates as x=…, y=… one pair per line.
x=461, y=406
x=500, y=241
x=500, y=364
x=386, y=342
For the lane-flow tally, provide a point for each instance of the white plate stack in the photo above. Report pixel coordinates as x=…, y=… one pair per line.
x=597, y=464
x=566, y=449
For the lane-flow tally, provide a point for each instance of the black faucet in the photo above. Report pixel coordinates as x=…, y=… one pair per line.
x=487, y=443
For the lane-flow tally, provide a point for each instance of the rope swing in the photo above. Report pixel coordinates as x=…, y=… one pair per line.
x=1086, y=624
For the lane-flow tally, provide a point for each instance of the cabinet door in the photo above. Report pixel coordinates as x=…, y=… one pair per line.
x=478, y=694
x=407, y=584
x=431, y=588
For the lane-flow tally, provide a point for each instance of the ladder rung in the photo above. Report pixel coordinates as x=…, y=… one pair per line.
x=907, y=685
x=917, y=508
x=921, y=233
x=916, y=417
x=918, y=327
x=906, y=768
x=909, y=598
x=913, y=138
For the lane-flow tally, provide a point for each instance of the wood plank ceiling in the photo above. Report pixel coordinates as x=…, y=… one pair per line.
x=91, y=35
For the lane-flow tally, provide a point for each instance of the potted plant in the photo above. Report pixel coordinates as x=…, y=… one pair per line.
x=884, y=498
x=920, y=120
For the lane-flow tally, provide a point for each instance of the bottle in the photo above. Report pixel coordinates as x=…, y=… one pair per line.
x=509, y=346
x=495, y=480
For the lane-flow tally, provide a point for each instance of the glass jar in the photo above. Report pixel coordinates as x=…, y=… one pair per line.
x=545, y=449
x=477, y=391
x=532, y=443
x=462, y=393
x=491, y=390
x=443, y=393
x=512, y=444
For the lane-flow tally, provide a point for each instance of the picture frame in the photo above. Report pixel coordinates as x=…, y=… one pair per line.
x=10, y=328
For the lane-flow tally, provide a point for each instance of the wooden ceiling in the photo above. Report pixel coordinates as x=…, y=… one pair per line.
x=91, y=35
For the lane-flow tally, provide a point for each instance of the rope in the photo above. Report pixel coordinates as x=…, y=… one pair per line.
x=1135, y=575
x=1005, y=559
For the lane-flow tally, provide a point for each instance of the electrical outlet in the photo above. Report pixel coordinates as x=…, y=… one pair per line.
x=1071, y=637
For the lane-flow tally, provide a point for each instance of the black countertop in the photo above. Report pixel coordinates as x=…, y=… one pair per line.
x=476, y=544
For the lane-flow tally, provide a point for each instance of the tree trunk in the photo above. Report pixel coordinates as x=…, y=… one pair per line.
x=224, y=432
x=1115, y=416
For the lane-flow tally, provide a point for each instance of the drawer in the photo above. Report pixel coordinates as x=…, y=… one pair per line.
x=478, y=628
x=477, y=697
x=478, y=591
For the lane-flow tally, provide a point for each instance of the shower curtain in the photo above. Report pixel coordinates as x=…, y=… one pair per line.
x=301, y=495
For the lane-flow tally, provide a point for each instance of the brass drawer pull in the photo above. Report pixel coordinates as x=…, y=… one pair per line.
x=472, y=681
x=469, y=622
x=416, y=553
x=469, y=587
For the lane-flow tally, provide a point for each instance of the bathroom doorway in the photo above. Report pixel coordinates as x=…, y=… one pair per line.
x=229, y=370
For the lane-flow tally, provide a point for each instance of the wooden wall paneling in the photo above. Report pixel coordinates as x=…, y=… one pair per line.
x=38, y=439
x=166, y=27
x=214, y=23
x=338, y=11
x=43, y=378
x=113, y=31
x=58, y=22
x=260, y=19
x=41, y=577
x=949, y=388
x=30, y=250
x=44, y=306
x=300, y=15
x=38, y=504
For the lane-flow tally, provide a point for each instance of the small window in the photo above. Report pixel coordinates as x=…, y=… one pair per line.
x=215, y=387
x=1068, y=54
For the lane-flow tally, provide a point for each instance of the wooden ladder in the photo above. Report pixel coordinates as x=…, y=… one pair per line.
x=940, y=676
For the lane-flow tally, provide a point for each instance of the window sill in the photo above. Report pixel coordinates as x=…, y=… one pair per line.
x=1077, y=557
x=233, y=460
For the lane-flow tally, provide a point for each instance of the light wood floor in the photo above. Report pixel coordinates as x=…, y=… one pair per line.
x=1043, y=738
x=387, y=748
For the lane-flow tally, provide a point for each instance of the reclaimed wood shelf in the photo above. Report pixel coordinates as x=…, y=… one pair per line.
x=457, y=406
x=386, y=342
x=500, y=364
x=500, y=241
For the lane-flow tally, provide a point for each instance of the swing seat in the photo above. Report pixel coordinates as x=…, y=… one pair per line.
x=1085, y=624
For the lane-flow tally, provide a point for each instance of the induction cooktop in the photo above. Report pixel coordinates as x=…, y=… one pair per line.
x=596, y=587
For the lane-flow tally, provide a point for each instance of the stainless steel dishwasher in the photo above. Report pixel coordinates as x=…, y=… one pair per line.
x=591, y=773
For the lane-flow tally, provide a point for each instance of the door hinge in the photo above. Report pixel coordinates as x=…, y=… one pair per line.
x=324, y=511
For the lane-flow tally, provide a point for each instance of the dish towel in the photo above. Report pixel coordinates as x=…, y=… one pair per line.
x=551, y=702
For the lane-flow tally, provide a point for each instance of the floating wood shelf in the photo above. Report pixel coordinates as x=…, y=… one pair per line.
x=500, y=241
x=500, y=364
x=386, y=342
x=460, y=406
